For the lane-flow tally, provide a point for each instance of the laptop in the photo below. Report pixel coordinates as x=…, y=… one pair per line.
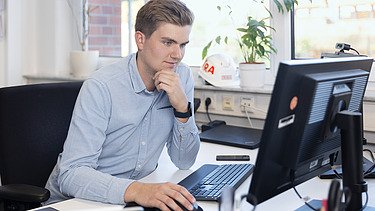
x=230, y=135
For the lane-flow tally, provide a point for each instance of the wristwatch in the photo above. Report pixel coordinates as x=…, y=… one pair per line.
x=185, y=114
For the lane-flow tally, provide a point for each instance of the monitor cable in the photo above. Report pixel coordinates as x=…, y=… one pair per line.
x=304, y=199
x=253, y=199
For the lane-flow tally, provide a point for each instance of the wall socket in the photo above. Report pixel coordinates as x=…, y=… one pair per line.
x=247, y=103
x=212, y=106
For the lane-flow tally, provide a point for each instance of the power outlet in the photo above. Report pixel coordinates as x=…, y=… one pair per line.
x=247, y=104
x=212, y=106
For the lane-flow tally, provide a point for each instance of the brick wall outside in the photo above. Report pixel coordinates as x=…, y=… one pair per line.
x=105, y=27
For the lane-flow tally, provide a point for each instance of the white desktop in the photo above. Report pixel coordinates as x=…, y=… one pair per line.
x=167, y=172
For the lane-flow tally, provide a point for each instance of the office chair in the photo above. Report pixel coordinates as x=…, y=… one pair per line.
x=34, y=121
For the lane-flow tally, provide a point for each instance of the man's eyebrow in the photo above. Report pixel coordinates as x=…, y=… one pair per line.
x=172, y=40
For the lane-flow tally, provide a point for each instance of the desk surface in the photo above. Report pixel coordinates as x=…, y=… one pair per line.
x=167, y=172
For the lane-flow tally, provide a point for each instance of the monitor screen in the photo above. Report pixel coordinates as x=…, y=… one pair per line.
x=300, y=138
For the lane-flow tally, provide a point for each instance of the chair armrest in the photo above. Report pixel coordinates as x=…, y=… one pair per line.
x=24, y=193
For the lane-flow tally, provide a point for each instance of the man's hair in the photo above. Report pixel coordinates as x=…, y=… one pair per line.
x=156, y=12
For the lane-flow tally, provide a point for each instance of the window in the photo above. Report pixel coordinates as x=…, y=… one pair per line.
x=320, y=24
x=112, y=26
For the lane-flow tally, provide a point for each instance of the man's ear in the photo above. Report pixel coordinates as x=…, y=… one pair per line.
x=139, y=39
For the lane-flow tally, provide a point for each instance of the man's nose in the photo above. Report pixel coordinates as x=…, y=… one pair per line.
x=177, y=52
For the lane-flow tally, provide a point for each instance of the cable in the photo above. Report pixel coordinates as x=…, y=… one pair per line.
x=371, y=154
x=292, y=177
x=207, y=102
x=355, y=50
x=253, y=199
x=248, y=118
x=307, y=204
x=337, y=174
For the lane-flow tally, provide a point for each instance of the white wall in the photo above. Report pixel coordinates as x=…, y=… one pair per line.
x=39, y=36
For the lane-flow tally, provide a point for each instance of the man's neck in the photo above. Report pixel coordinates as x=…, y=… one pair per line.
x=146, y=76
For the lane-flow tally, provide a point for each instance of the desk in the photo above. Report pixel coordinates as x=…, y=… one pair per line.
x=166, y=171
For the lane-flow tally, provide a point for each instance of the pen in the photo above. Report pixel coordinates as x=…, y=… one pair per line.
x=232, y=157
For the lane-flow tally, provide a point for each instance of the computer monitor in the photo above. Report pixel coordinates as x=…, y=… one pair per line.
x=302, y=136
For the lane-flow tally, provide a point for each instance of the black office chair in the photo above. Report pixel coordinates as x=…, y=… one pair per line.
x=34, y=121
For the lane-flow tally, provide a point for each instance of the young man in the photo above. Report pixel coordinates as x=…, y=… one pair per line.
x=127, y=112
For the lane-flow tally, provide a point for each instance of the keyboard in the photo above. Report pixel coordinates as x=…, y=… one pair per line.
x=208, y=182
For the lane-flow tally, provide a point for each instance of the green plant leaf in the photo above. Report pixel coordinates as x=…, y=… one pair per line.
x=218, y=39
x=279, y=6
x=205, y=50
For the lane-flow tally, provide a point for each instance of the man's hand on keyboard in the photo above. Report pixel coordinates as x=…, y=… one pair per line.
x=159, y=195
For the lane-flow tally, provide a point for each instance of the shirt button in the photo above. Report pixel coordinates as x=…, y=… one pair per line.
x=143, y=143
x=139, y=166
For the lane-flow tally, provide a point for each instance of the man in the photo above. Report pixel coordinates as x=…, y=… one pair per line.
x=127, y=112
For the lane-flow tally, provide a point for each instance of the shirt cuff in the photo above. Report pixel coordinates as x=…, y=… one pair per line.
x=186, y=128
x=117, y=190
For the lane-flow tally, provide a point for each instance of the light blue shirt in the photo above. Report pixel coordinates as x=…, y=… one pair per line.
x=117, y=133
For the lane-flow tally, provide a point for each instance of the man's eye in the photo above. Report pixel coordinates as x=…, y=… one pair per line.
x=167, y=43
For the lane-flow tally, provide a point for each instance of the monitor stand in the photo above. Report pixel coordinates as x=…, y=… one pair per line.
x=352, y=158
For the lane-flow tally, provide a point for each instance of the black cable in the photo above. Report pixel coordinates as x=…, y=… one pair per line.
x=337, y=174
x=207, y=102
x=371, y=154
x=354, y=50
x=307, y=204
x=254, y=201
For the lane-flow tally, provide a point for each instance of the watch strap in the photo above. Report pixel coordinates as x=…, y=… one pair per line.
x=185, y=114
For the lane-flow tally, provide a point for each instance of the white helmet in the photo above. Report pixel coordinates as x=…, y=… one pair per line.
x=220, y=70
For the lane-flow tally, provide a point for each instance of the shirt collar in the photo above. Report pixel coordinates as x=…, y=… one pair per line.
x=135, y=77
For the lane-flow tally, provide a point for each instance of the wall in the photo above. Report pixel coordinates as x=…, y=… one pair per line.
x=227, y=106
x=39, y=36
x=105, y=27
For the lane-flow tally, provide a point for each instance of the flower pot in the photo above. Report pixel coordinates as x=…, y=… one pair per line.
x=83, y=63
x=252, y=75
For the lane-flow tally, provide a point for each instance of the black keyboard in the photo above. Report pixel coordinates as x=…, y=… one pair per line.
x=208, y=182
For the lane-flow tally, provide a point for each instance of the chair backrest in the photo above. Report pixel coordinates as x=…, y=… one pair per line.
x=34, y=121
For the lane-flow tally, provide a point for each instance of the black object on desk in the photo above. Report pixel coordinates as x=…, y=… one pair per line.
x=243, y=137
x=232, y=157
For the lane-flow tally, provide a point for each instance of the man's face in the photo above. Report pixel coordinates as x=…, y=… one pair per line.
x=164, y=49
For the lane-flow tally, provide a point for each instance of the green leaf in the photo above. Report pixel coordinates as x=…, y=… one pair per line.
x=279, y=6
x=218, y=39
x=205, y=50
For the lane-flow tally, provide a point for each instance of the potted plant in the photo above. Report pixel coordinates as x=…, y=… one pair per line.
x=255, y=44
x=83, y=62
